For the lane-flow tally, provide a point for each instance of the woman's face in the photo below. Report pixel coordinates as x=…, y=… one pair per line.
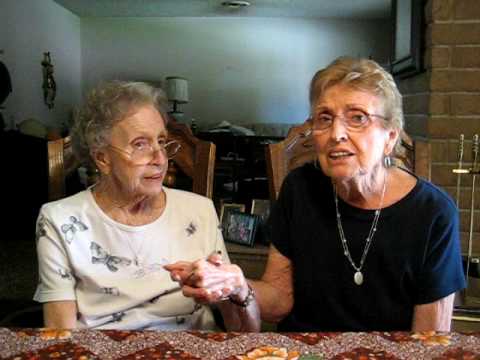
x=130, y=173
x=345, y=151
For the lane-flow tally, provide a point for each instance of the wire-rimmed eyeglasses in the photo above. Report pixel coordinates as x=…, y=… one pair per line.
x=144, y=152
x=354, y=119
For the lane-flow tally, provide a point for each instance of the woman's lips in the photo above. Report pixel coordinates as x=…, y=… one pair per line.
x=154, y=177
x=338, y=155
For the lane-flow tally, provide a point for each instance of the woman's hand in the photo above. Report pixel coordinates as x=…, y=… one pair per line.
x=210, y=280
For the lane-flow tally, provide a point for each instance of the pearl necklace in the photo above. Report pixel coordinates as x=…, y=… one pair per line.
x=358, y=276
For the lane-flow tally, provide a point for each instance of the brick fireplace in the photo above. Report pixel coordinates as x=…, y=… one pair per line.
x=444, y=101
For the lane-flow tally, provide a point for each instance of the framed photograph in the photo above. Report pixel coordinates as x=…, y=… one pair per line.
x=225, y=209
x=240, y=228
x=261, y=208
x=407, y=49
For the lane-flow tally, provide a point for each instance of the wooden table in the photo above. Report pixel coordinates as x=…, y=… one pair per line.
x=111, y=344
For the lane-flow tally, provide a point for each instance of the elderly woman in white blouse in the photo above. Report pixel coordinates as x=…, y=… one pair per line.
x=102, y=252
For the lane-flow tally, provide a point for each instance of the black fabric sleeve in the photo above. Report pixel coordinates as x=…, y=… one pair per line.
x=442, y=272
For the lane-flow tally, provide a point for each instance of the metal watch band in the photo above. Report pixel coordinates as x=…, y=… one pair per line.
x=248, y=299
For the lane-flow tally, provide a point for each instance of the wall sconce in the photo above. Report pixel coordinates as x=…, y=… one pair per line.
x=177, y=92
x=49, y=86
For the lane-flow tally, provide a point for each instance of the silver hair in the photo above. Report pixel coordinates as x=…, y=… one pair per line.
x=105, y=106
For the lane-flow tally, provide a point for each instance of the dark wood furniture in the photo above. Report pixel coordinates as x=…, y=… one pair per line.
x=61, y=164
x=240, y=170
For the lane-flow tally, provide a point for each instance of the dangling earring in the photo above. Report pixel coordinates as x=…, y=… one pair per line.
x=387, y=161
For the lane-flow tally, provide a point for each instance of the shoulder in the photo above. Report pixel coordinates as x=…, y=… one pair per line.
x=307, y=172
x=422, y=193
x=187, y=200
x=435, y=196
x=72, y=203
x=305, y=181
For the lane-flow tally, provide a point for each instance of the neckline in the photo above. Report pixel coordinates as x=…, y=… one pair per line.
x=131, y=228
x=360, y=213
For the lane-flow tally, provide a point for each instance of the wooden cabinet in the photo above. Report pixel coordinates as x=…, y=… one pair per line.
x=252, y=260
x=240, y=169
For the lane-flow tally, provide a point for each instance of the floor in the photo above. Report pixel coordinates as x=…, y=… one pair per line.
x=18, y=279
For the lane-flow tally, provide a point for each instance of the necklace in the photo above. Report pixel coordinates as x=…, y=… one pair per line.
x=136, y=258
x=358, y=276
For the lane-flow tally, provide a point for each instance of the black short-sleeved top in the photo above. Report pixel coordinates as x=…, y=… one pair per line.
x=414, y=257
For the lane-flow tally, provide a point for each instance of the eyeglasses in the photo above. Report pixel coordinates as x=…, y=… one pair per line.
x=354, y=119
x=144, y=151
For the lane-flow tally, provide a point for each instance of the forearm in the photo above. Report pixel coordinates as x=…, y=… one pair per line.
x=273, y=302
x=435, y=316
x=239, y=318
x=60, y=314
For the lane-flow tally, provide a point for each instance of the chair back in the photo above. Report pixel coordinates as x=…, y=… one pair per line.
x=298, y=148
x=61, y=163
x=196, y=159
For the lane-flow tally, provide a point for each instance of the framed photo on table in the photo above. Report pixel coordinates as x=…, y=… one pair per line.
x=225, y=209
x=240, y=228
x=261, y=208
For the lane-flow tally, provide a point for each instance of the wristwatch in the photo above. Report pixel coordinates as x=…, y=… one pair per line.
x=248, y=299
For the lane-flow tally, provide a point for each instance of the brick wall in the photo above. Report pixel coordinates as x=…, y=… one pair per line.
x=444, y=102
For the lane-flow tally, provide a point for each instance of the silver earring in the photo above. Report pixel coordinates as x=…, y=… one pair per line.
x=387, y=161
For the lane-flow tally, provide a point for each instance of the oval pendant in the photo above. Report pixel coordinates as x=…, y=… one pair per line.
x=358, y=278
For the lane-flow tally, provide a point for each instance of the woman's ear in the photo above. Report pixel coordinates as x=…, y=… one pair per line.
x=391, y=141
x=102, y=160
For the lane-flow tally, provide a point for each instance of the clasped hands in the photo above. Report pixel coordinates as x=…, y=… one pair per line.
x=209, y=280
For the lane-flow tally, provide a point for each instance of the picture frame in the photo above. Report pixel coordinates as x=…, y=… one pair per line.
x=261, y=208
x=226, y=208
x=240, y=228
x=408, y=29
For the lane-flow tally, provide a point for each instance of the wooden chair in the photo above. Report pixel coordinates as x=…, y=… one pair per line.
x=196, y=159
x=298, y=149
x=61, y=163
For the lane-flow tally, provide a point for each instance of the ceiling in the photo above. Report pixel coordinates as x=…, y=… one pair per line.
x=342, y=9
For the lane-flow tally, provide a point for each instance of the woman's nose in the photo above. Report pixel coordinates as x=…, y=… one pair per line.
x=159, y=156
x=338, y=131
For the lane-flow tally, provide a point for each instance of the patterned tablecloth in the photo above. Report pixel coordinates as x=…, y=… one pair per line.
x=89, y=344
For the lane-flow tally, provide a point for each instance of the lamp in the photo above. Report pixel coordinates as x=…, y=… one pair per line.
x=177, y=91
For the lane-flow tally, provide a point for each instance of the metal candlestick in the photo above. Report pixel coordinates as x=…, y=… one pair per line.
x=472, y=206
x=460, y=161
x=474, y=170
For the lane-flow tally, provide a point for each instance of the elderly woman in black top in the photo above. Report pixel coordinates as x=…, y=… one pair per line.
x=357, y=244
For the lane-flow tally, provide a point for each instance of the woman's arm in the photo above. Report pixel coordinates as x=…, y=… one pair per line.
x=435, y=316
x=212, y=282
x=60, y=314
x=273, y=298
x=275, y=290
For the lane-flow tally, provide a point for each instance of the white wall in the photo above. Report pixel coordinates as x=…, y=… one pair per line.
x=240, y=70
x=29, y=28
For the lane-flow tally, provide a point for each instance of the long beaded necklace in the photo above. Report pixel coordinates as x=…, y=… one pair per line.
x=358, y=276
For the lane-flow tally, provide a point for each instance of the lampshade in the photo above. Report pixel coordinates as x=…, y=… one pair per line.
x=177, y=89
